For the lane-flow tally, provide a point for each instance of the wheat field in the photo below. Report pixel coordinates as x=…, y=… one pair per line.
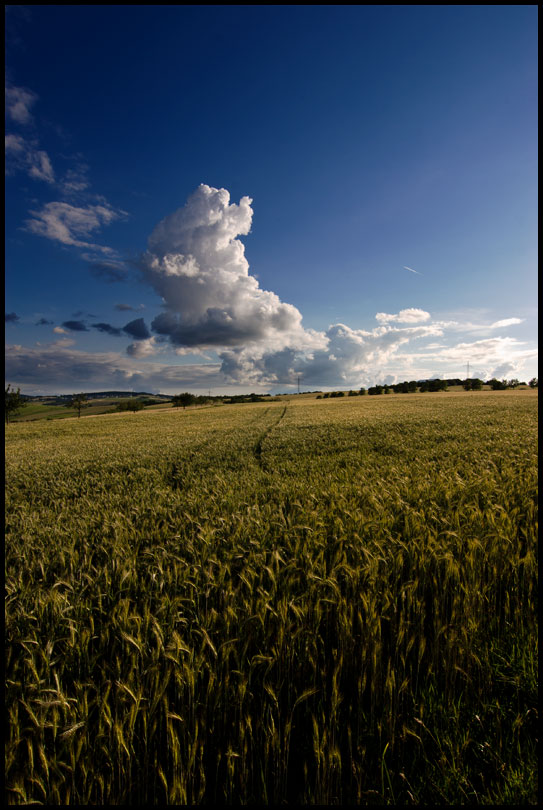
x=301, y=602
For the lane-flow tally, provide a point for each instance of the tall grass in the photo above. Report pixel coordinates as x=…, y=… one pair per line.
x=318, y=603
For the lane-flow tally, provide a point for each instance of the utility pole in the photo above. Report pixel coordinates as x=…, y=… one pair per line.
x=298, y=383
x=468, y=370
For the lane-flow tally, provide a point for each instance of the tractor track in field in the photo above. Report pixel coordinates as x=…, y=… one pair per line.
x=257, y=449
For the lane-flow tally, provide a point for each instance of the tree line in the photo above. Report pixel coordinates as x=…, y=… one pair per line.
x=423, y=386
x=15, y=401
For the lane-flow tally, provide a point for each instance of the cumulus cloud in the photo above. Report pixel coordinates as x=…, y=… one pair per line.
x=11, y=317
x=71, y=225
x=196, y=263
x=488, y=358
x=506, y=370
x=143, y=348
x=213, y=307
x=346, y=357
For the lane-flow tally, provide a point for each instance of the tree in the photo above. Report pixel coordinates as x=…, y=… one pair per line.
x=533, y=382
x=437, y=385
x=14, y=402
x=77, y=401
x=183, y=399
x=498, y=385
x=474, y=384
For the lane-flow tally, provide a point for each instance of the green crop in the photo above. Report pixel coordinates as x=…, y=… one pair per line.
x=304, y=602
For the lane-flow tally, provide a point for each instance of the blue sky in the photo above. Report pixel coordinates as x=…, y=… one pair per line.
x=226, y=198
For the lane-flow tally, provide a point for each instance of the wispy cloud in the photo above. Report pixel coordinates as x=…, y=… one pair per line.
x=505, y=322
x=478, y=328
x=24, y=155
x=128, y=307
x=411, y=270
x=11, y=317
x=67, y=224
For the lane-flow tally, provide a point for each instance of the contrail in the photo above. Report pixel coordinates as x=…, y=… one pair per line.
x=411, y=270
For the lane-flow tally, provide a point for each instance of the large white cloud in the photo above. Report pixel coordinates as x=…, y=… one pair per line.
x=346, y=357
x=197, y=265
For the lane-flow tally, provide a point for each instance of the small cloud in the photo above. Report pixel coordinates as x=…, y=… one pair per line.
x=63, y=342
x=58, y=330
x=412, y=315
x=19, y=101
x=44, y=322
x=505, y=322
x=137, y=329
x=411, y=270
x=11, y=317
x=107, y=328
x=76, y=326
x=128, y=307
x=23, y=155
x=75, y=180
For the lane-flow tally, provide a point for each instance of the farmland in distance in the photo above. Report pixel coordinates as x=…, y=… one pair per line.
x=294, y=602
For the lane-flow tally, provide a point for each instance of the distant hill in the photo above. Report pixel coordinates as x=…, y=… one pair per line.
x=93, y=395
